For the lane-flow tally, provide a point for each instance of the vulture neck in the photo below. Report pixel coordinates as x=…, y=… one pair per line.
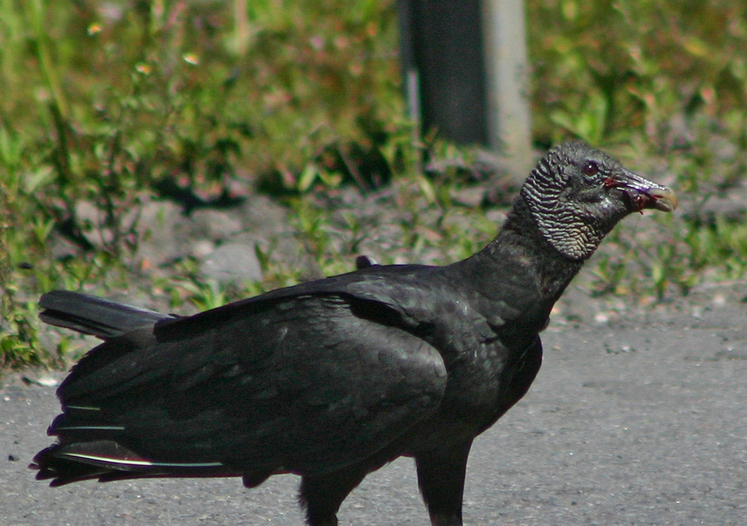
x=521, y=250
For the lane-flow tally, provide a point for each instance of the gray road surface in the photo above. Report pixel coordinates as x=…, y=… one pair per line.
x=629, y=423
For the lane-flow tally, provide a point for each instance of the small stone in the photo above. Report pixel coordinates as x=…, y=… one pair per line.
x=232, y=262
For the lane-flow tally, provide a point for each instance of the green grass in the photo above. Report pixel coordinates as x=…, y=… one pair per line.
x=108, y=103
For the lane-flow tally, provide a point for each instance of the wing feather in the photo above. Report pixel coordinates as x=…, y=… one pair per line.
x=305, y=385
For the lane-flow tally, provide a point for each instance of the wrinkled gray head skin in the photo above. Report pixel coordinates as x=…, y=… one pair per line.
x=577, y=194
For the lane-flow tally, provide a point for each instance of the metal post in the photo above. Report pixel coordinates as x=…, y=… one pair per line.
x=441, y=43
x=509, y=118
x=464, y=64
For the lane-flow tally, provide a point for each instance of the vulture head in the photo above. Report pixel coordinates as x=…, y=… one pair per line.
x=577, y=194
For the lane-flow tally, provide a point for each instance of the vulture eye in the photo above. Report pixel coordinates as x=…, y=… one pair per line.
x=591, y=168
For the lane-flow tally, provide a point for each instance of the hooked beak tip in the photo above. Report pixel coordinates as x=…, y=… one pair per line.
x=645, y=194
x=663, y=199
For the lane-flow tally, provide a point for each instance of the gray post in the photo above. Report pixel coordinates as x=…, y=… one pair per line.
x=465, y=73
x=441, y=48
x=509, y=118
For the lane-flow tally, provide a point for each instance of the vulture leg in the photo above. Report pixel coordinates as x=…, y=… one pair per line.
x=441, y=479
x=322, y=495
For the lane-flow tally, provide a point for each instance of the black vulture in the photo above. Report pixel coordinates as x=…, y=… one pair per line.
x=334, y=378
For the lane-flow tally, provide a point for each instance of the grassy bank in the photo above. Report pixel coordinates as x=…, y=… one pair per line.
x=204, y=102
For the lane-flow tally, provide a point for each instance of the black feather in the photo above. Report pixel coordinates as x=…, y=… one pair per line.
x=96, y=316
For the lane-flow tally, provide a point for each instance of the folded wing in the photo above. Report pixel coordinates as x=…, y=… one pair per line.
x=304, y=383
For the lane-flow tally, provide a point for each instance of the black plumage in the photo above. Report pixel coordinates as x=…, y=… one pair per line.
x=334, y=378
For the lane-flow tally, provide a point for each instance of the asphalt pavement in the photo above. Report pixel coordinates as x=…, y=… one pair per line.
x=641, y=420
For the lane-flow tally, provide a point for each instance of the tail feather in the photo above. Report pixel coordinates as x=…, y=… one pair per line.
x=99, y=317
x=61, y=470
x=107, y=460
x=91, y=439
x=92, y=445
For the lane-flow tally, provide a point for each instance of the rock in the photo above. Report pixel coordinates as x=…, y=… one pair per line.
x=164, y=233
x=232, y=262
x=267, y=225
x=261, y=216
x=216, y=225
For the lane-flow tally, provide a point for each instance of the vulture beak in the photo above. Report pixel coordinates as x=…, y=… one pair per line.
x=641, y=193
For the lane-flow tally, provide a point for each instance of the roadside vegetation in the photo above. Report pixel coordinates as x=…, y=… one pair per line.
x=205, y=102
